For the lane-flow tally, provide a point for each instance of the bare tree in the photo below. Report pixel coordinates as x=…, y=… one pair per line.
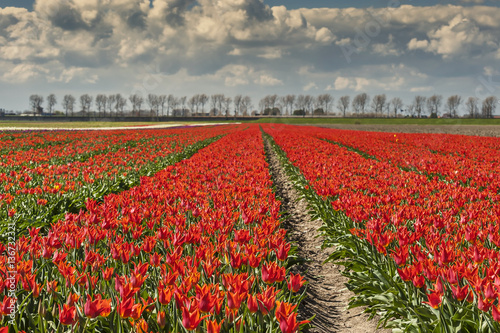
x=453, y=104
x=396, y=105
x=289, y=102
x=203, y=100
x=68, y=104
x=238, y=99
x=120, y=103
x=309, y=101
x=177, y=103
x=101, y=101
x=472, y=107
x=411, y=110
x=343, y=104
x=217, y=102
x=152, y=101
x=171, y=100
x=433, y=104
x=283, y=104
x=111, y=103
x=136, y=100
x=51, y=101
x=301, y=104
x=418, y=104
x=378, y=103
x=182, y=102
x=162, y=101
x=227, y=105
x=36, y=103
x=273, y=99
x=246, y=104
x=193, y=104
x=325, y=101
x=86, y=102
x=359, y=103
x=489, y=106
x=213, y=104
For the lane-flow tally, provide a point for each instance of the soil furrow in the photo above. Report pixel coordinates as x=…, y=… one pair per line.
x=327, y=295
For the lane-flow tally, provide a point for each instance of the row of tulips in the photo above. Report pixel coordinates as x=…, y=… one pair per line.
x=34, y=194
x=425, y=254
x=196, y=247
x=11, y=141
x=471, y=161
x=75, y=146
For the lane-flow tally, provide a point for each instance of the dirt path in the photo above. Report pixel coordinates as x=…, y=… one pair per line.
x=327, y=295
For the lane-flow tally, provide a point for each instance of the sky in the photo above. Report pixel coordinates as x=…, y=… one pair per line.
x=250, y=47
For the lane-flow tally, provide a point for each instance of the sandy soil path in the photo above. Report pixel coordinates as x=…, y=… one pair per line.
x=327, y=295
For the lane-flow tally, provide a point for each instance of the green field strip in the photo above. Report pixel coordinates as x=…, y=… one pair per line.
x=376, y=121
x=30, y=214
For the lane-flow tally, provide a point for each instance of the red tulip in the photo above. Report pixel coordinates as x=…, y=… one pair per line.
x=125, y=308
x=295, y=283
x=252, y=304
x=267, y=300
x=97, y=307
x=67, y=316
x=107, y=274
x=234, y=300
x=161, y=319
x=495, y=311
x=206, y=300
x=434, y=300
x=191, y=317
x=460, y=293
x=289, y=324
x=213, y=326
x=165, y=294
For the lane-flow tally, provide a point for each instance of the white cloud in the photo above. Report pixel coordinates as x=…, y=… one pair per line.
x=267, y=80
x=341, y=83
x=415, y=44
x=243, y=46
x=421, y=89
x=310, y=86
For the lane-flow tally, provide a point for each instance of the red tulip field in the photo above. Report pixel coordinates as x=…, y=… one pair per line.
x=180, y=230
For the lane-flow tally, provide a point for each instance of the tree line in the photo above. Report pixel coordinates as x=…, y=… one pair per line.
x=299, y=105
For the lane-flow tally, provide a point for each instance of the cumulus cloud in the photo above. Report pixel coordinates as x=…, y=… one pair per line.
x=268, y=80
x=245, y=44
x=455, y=38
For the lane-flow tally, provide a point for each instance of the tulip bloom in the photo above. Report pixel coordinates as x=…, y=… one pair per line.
x=125, y=308
x=434, y=300
x=252, y=304
x=213, y=327
x=191, y=317
x=67, y=316
x=165, y=294
x=271, y=273
x=267, y=300
x=161, y=319
x=289, y=324
x=206, y=300
x=97, y=307
x=296, y=282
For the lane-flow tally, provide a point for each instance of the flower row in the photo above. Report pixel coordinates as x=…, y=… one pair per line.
x=443, y=238
x=197, y=246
